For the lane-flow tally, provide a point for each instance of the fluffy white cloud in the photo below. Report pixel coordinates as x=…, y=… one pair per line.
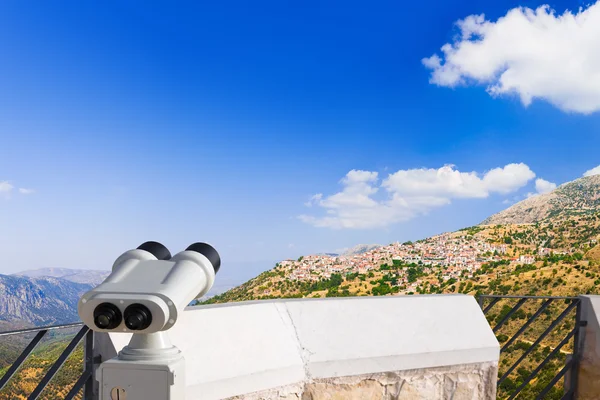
x=508, y=179
x=544, y=186
x=593, y=171
x=26, y=191
x=530, y=53
x=408, y=193
x=449, y=182
x=541, y=186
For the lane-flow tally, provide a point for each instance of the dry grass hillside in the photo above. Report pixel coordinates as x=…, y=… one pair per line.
x=36, y=366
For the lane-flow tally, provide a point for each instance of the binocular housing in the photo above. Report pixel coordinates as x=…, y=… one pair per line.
x=148, y=289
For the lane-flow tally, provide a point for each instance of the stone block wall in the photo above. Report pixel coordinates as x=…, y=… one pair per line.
x=458, y=382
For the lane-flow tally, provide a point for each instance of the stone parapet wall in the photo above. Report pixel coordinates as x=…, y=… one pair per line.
x=457, y=382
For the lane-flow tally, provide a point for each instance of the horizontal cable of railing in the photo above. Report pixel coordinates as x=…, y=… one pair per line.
x=41, y=328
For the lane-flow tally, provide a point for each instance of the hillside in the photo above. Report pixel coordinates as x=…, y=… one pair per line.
x=579, y=197
x=516, y=259
x=36, y=366
x=559, y=230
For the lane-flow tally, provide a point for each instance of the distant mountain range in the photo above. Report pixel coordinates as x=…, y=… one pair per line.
x=358, y=249
x=91, y=277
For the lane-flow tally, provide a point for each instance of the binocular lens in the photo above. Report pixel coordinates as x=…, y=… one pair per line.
x=107, y=316
x=137, y=317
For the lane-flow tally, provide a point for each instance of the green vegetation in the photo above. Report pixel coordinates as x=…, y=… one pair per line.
x=36, y=366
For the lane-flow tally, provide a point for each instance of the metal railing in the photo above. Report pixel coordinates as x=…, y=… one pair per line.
x=549, y=338
x=84, y=381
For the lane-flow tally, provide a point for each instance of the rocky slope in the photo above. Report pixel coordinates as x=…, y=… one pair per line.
x=359, y=249
x=579, y=197
x=39, y=301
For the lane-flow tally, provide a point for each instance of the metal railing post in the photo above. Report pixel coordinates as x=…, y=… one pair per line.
x=88, y=393
x=577, y=342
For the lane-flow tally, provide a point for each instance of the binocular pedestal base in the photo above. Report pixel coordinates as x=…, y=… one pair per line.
x=149, y=368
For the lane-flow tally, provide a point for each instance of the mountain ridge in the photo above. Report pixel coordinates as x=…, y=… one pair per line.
x=571, y=198
x=39, y=300
x=92, y=277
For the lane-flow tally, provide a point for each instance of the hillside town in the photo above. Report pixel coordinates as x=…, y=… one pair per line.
x=451, y=254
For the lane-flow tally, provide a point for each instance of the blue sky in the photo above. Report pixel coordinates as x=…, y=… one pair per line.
x=218, y=122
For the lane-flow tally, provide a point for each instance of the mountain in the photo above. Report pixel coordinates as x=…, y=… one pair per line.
x=579, y=197
x=92, y=277
x=328, y=254
x=39, y=300
x=349, y=252
x=359, y=249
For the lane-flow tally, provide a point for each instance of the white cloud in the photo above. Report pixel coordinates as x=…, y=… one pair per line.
x=26, y=191
x=408, y=193
x=449, y=182
x=313, y=200
x=508, y=179
x=593, y=171
x=543, y=186
x=530, y=53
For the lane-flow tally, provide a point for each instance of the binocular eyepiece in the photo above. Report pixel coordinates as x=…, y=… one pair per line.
x=159, y=251
x=207, y=251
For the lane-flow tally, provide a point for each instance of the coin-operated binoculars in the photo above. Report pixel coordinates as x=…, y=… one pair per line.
x=145, y=293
